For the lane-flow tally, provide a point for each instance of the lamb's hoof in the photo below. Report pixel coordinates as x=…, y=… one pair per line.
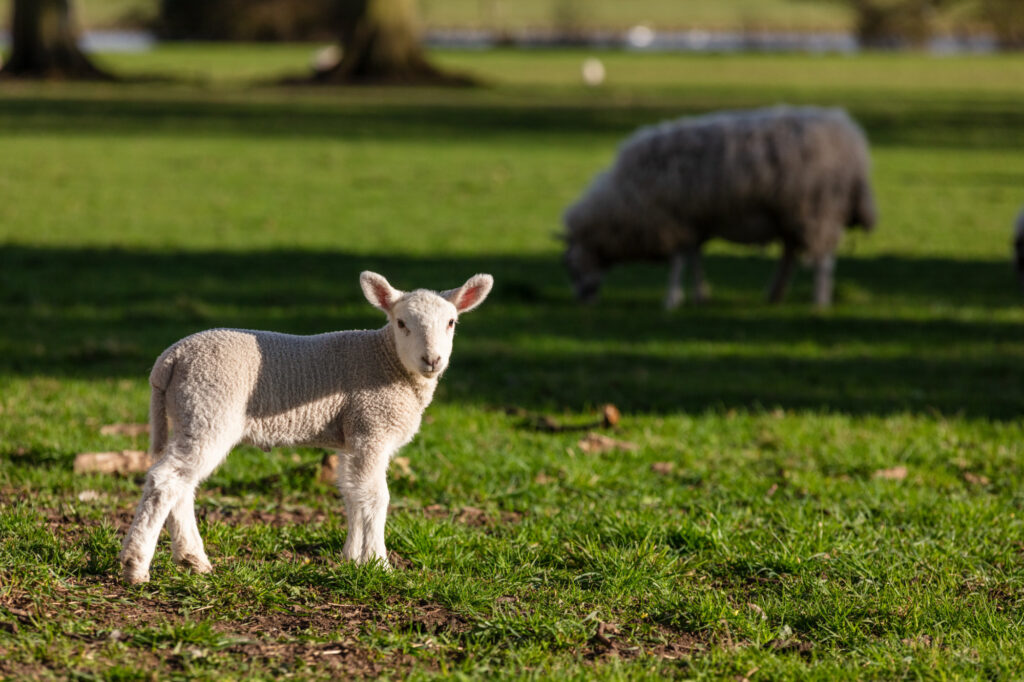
x=133, y=575
x=196, y=564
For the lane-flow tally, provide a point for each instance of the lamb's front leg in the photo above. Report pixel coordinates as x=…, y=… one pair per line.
x=362, y=480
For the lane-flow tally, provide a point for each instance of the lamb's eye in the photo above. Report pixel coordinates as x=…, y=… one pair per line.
x=401, y=325
x=451, y=323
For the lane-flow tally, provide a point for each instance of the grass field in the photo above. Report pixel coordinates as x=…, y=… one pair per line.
x=813, y=495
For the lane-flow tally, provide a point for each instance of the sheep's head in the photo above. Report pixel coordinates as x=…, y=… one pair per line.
x=584, y=271
x=422, y=321
x=579, y=258
x=594, y=226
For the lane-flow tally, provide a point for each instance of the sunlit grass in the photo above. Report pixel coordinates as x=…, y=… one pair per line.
x=814, y=495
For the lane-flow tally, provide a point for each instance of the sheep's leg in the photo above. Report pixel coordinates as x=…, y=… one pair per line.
x=701, y=290
x=824, y=271
x=170, y=480
x=186, y=543
x=166, y=482
x=363, y=484
x=675, y=294
x=783, y=274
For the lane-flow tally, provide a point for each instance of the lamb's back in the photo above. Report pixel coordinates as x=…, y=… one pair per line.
x=285, y=389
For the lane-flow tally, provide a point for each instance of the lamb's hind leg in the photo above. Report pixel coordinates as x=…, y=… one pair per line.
x=186, y=543
x=170, y=484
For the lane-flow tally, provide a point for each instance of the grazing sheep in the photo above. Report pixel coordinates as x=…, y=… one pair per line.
x=1018, y=249
x=794, y=175
x=362, y=392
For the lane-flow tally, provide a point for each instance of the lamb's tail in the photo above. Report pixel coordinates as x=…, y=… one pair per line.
x=159, y=379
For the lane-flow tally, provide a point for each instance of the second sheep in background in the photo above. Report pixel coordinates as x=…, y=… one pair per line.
x=798, y=176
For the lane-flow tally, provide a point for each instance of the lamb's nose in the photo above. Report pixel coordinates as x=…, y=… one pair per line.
x=431, y=363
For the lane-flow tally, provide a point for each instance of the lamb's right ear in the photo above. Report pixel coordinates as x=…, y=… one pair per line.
x=471, y=294
x=378, y=292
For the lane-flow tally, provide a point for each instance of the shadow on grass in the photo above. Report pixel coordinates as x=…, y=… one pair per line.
x=900, y=338
x=440, y=114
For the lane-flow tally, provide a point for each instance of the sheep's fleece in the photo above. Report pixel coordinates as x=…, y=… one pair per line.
x=795, y=175
x=362, y=392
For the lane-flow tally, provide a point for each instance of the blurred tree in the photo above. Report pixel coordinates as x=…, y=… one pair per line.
x=247, y=19
x=1007, y=20
x=380, y=42
x=883, y=23
x=44, y=43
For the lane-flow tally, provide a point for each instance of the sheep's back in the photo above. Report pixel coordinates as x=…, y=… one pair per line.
x=749, y=176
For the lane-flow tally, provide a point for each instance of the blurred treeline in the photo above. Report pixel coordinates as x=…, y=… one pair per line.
x=875, y=22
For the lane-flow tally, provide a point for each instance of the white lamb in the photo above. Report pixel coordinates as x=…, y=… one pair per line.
x=362, y=392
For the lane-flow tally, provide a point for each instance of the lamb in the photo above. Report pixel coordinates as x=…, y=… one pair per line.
x=794, y=175
x=361, y=392
x=1018, y=248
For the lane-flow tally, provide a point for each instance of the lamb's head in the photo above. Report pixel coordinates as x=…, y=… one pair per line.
x=422, y=321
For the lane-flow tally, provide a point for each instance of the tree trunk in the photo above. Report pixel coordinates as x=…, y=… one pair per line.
x=44, y=43
x=380, y=43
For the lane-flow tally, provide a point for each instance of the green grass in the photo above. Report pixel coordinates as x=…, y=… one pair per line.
x=132, y=215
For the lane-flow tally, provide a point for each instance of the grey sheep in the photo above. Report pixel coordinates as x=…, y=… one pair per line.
x=793, y=175
x=362, y=392
x=1018, y=248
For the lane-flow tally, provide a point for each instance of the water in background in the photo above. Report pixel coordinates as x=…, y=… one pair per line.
x=638, y=38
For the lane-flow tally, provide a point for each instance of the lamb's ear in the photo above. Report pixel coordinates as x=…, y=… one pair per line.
x=471, y=294
x=378, y=292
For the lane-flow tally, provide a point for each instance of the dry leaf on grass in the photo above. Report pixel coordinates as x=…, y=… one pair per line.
x=663, y=468
x=329, y=469
x=595, y=443
x=400, y=469
x=602, y=636
x=610, y=418
x=122, y=462
x=124, y=429
x=920, y=641
x=976, y=479
x=757, y=609
x=894, y=474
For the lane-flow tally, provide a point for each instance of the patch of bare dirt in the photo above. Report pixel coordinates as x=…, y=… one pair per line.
x=278, y=517
x=609, y=642
x=111, y=611
x=472, y=516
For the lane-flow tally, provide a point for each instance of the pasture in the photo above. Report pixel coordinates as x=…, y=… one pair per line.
x=810, y=495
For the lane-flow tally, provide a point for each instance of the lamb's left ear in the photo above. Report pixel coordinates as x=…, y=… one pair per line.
x=471, y=294
x=378, y=292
